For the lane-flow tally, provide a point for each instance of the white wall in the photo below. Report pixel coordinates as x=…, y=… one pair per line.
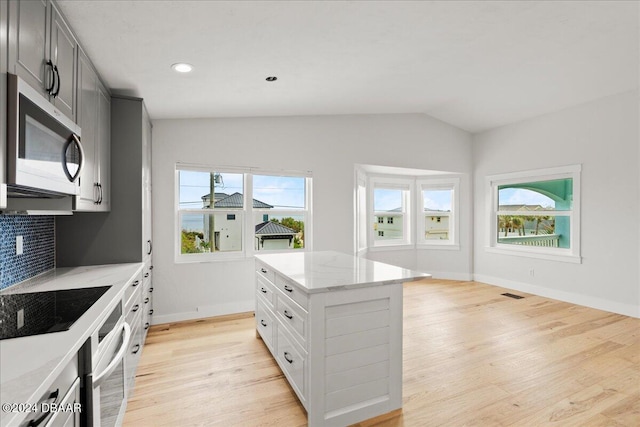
x=329, y=146
x=604, y=137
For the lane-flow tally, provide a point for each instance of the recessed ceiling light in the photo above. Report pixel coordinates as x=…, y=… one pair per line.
x=182, y=67
x=271, y=79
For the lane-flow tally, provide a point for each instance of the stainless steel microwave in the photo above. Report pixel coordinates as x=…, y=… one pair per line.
x=44, y=150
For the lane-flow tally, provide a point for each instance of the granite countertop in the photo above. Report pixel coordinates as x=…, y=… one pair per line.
x=29, y=365
x=324, y=271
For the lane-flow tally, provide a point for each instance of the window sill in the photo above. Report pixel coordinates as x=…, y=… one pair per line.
x=575, y=259
x=398, y=247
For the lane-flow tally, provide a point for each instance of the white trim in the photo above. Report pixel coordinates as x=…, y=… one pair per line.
x=206, y=311
x=451, y=275
x=444, y=246
x=570, y=297
x=449, y=183
x=492, y=245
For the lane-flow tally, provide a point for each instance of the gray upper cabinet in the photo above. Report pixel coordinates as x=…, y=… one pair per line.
x=94, y=111
x=43, y=51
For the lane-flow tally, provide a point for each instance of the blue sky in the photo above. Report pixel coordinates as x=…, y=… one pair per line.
x=387, y=199
x=520, y=196
x=278, y=191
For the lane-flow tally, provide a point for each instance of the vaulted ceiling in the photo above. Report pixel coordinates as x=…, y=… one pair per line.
x=474, y=64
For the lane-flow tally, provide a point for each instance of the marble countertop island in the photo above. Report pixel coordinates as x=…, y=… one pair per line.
x=328, y=270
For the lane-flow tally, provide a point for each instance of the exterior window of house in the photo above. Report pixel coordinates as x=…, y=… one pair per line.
x=281, y=211
x=536, y=213
x=224, y=214
x=437, y=220
x=391, y=199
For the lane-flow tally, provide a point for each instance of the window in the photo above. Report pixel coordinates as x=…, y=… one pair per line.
x=437, y=222
x=391, y=200
x=536, y=213
x=224, y=214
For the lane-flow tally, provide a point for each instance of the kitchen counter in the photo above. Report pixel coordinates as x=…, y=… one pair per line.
x=29, y=365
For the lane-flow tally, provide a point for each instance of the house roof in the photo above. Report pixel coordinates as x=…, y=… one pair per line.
x=270, y=227
x=522, y=208
x=235, y=200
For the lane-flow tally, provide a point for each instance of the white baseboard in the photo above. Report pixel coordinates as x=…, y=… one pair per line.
x=449, y=275
x=205, y=311
x=570, y=297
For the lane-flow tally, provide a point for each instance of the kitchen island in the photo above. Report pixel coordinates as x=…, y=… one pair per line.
x=333, y=323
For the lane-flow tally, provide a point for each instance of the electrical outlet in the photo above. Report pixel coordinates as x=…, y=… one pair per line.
x=19, y=245
x=20, y=318
x=532, y=272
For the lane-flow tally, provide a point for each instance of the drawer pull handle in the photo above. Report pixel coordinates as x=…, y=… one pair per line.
x=146, y=300
x=151, y=311
x=54, y=396
x=135, y=308
x=146, y=275
x=137, y=348
x=263, y=270
x=287, y=315
x=287, y=357
x=288, y=288
x=150, y=289
x=263, y=290
x=263, y=323
x=146, y=326
x=136, y=283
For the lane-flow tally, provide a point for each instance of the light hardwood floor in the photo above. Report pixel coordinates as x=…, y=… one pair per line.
x=472, y=357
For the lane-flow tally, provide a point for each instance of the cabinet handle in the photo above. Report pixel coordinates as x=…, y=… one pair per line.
x=146, y=326
x=263, y=290
x=55, y=94
x=287, y=357
x=96, y=193
x=151, y=267
x=101, y=194
x=287, y=315
x=263, y=323
x=135, y=308
x=150, y=289
x=137, y=348
x=288, y=289
x=136, y=283
x=37, y=422
x=53, y=78
x=146, y=275
x=263, y=270
x=146, y=300
x=150, y=247
x=150, y=312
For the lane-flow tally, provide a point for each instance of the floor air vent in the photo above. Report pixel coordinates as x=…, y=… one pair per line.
x=507, y=294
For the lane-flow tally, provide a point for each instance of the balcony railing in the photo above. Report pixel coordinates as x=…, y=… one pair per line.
x=547, y=240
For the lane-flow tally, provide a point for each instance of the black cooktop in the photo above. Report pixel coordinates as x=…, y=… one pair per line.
x=38, y=313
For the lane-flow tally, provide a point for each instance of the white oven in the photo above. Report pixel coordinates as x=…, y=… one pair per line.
x=105, y=385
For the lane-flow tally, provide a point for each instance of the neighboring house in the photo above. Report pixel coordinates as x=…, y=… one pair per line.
x=228, y=225
x=271, y=235
x=436, y=226
x=389, y=226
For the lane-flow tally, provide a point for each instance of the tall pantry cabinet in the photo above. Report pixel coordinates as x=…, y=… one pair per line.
x=124, y=233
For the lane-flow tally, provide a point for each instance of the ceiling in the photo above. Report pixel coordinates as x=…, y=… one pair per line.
x=474, y=64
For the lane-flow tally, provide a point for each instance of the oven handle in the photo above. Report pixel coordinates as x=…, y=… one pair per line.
x=99, y=378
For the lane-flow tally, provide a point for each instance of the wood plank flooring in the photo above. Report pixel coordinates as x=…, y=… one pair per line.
x=472, y=357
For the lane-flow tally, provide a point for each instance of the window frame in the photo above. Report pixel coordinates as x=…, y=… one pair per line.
x=571, y=254
x=407, y=188
x=246, y=215
x=426, y=184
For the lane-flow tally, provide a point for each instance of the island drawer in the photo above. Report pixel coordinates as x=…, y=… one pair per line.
x=292, y=291
x=293, y=318
x=265, y=271
x=265, y=324
x=265, y=288
x=293, y=361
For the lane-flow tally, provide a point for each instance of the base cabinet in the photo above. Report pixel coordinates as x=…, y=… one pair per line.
x=340, y=350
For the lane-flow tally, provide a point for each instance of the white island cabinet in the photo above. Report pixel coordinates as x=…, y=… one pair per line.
x=333, y=323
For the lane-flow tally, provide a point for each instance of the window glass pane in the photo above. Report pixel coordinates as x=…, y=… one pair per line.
x=538, y=230
x=198, y=231
x=387, y=200
x=437, y=200
x=195, y=190
x=278, y=192
x=437, y=226
x=278, y=231
x=388, y=226
x=554, y=195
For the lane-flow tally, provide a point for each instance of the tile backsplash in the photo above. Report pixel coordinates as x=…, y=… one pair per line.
x=38, y=234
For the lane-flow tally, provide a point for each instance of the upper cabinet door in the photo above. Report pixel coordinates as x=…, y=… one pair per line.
x=63, y=55
x=88, y=122
x=29, y=43
x=103, y=148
